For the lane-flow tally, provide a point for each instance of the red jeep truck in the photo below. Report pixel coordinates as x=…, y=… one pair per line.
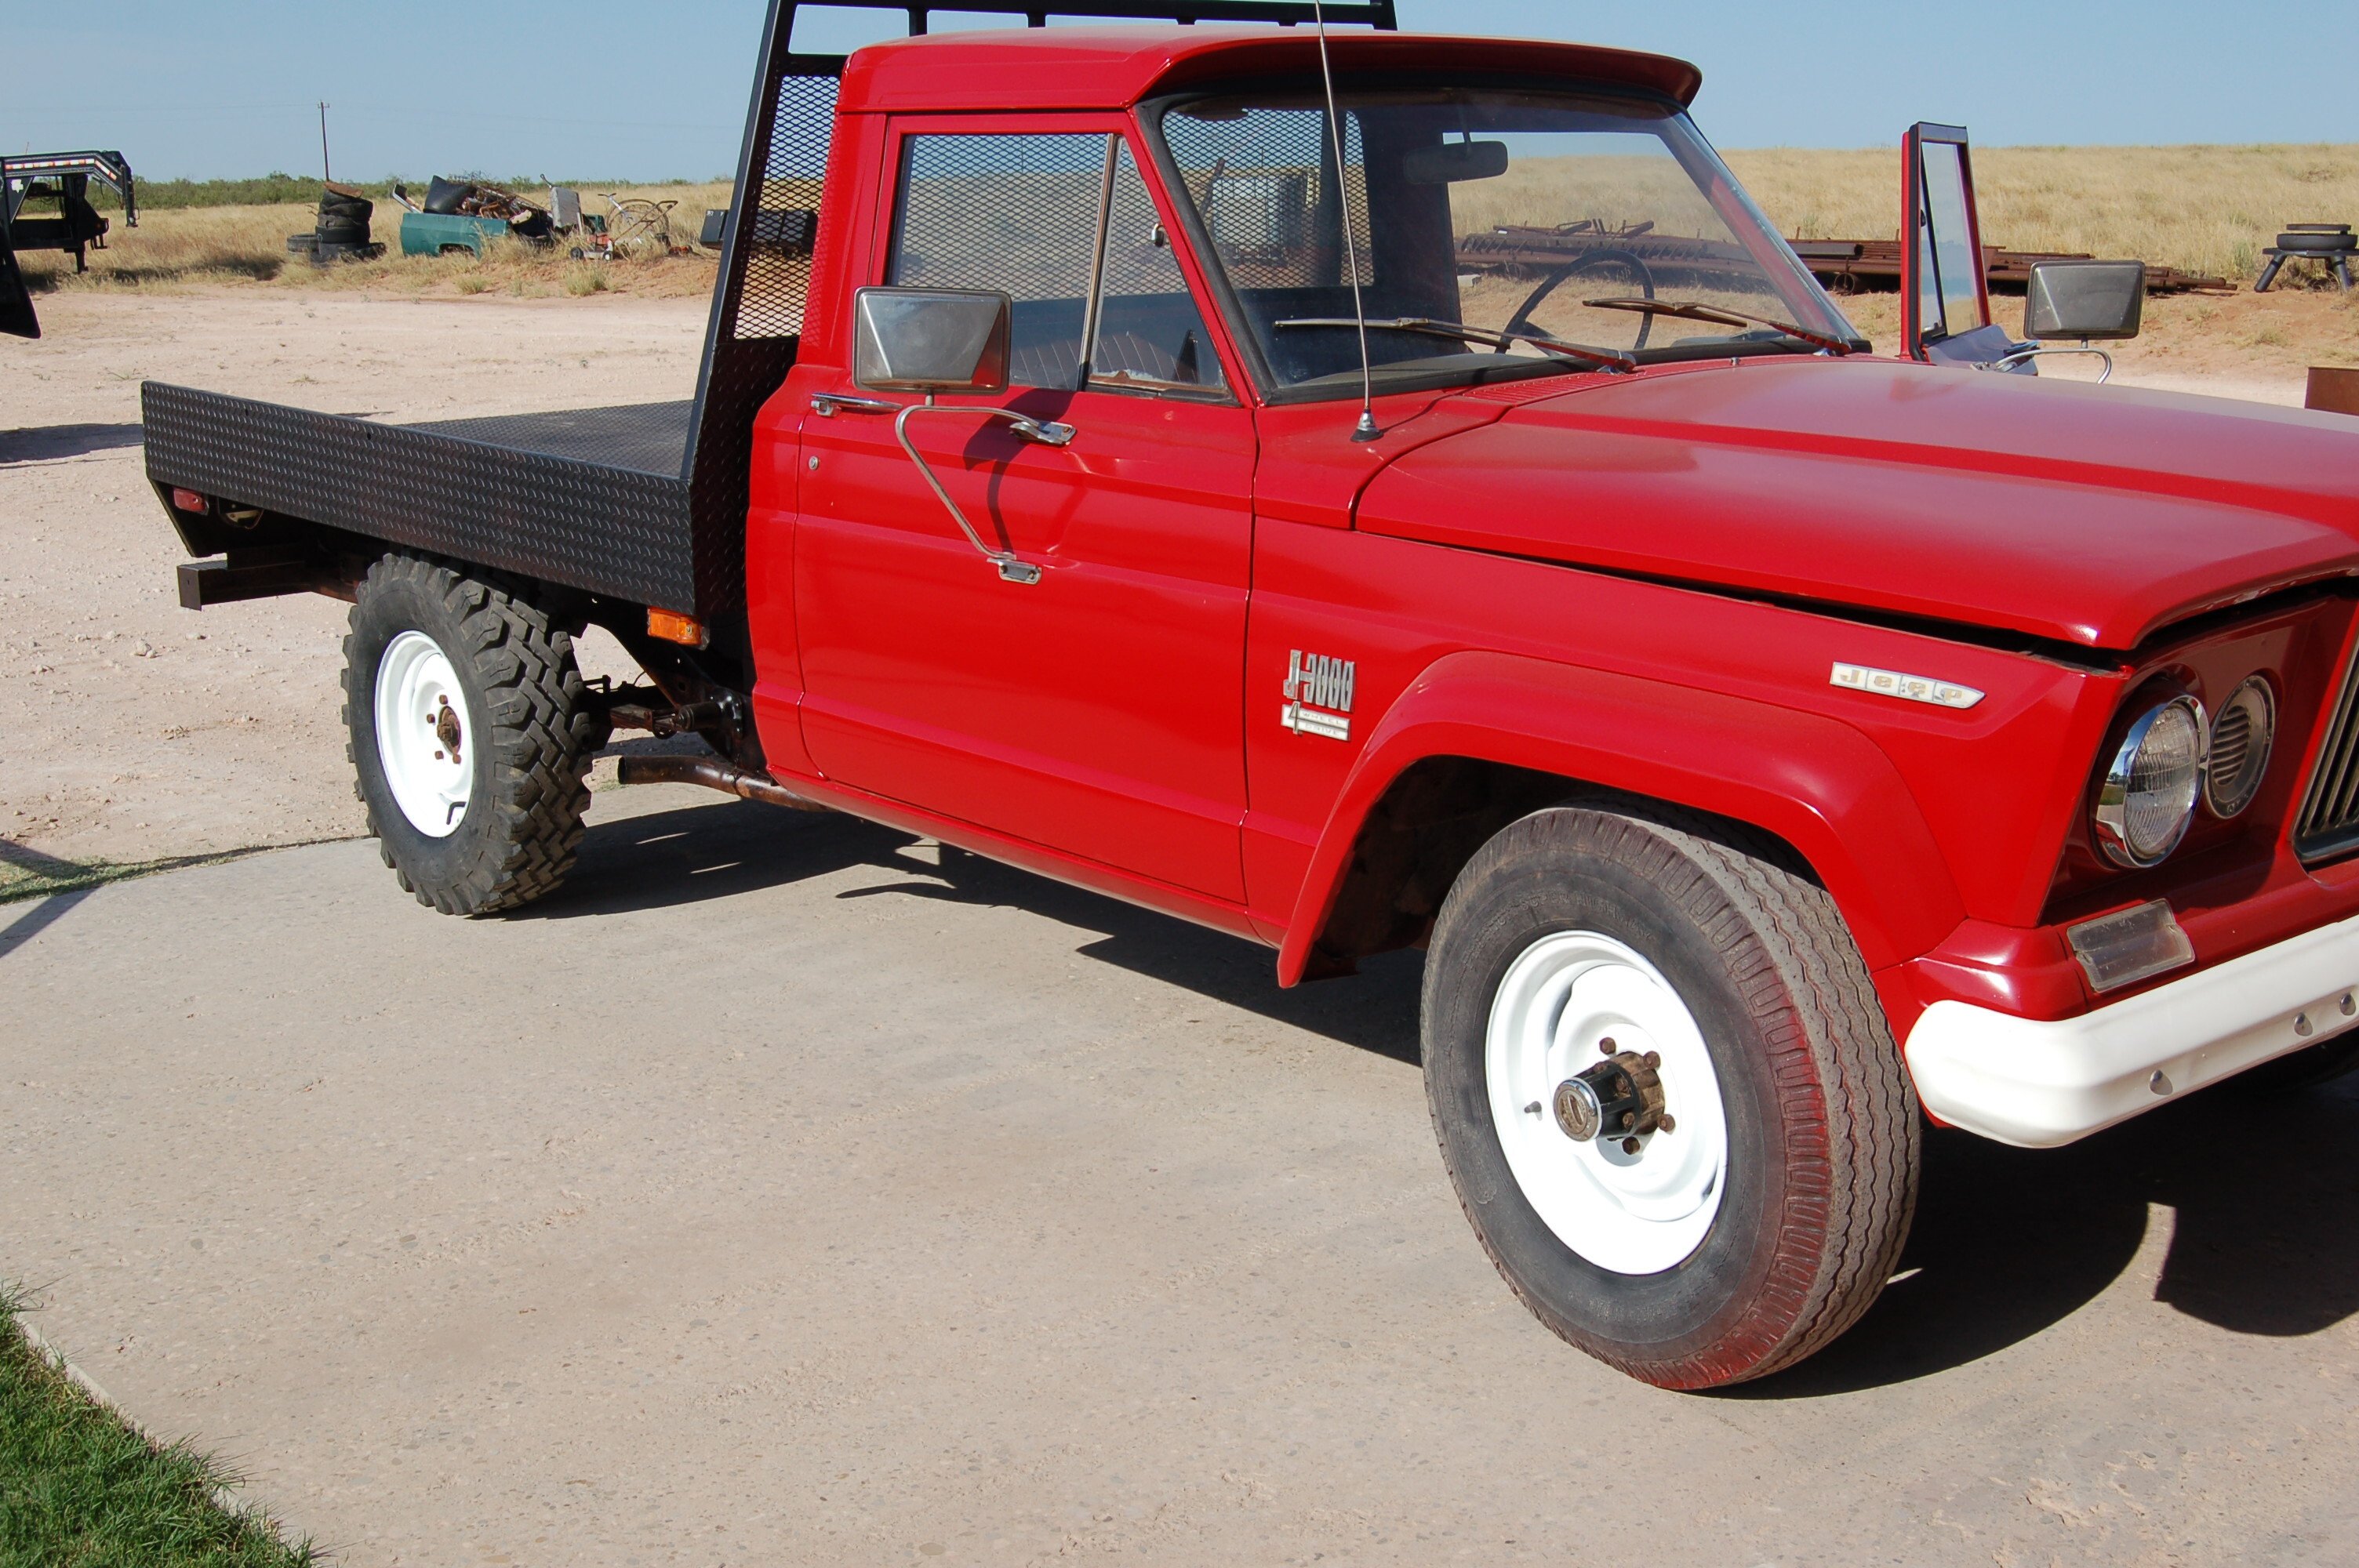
x=1772, y=745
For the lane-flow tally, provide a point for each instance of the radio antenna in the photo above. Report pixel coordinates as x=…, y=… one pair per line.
x=1366, y=429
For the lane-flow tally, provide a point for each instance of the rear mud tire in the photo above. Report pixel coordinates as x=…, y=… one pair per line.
x=1820, y=1124
x=528, y=728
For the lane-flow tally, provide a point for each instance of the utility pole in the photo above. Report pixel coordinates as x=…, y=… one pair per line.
x=327, y=175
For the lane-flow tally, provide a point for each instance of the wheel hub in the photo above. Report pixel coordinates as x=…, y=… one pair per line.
x=421, y=732
x=1584, y=1030
x=445, y=724
x=1621, y=1098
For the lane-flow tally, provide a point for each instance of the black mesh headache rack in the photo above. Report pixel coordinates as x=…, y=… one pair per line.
x=643, y=505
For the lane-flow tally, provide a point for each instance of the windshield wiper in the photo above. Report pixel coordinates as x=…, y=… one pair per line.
x=1464, y=334
x=1713, y=313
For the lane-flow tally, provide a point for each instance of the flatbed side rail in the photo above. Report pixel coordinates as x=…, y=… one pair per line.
x=618, y=532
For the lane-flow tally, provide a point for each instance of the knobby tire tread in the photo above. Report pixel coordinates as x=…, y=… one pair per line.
x=544, y=733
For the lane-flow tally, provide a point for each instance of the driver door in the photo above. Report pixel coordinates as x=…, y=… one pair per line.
x=1945, y=310
x=1096, y=706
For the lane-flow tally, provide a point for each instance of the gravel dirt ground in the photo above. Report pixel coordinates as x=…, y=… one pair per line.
x=786, y=1191
x=131, y=730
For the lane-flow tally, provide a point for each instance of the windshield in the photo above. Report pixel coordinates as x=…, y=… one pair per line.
x=1507, y=210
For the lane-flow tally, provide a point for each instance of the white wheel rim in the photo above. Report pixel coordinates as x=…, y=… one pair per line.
x=1632, y=1214
x=423, y=734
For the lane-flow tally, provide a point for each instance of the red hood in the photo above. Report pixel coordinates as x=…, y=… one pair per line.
x=2088, y=515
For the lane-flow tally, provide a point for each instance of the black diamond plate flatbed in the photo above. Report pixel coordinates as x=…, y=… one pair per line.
x=592, y=499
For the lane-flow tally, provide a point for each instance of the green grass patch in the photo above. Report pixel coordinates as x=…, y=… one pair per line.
x=28, y=873
x=81, y=1488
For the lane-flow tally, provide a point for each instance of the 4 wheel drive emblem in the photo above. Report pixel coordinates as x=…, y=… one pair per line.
x=1319, y=694
x=1909, y=688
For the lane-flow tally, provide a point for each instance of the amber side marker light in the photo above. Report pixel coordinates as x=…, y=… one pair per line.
x=2129, y=944
x=673, y=627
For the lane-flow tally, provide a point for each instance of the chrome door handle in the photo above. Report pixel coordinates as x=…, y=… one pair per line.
x=828, y=404
x=1011, y=568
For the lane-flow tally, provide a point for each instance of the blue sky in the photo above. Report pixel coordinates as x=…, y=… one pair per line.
x=631, y=88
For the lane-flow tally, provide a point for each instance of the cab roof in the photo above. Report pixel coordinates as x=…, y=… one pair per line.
x=1104, y=67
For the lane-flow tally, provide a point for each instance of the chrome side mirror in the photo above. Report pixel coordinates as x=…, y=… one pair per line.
x=931, y=341
x=2085, y=301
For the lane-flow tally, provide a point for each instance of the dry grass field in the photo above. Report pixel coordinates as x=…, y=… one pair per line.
x=2205, y=208
x=177, y=247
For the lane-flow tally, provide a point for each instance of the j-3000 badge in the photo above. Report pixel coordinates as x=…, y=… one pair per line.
x=1319, y=694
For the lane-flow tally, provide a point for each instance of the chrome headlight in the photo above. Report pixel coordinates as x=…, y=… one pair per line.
x=2243, y=732
x=2151, y=785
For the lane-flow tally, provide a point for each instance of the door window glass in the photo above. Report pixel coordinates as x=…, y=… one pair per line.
x=1014, y=213
x=1949, y=291
x=1150, y=333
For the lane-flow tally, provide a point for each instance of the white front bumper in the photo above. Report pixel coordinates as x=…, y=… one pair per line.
x=2038, y=1084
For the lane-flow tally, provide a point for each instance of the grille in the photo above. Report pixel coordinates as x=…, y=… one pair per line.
x=2232, y=743
x=2329, y=823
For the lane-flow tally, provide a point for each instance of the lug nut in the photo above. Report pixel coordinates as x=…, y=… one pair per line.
x=1667, y=1124
x=1606, y=1047
x=1654, y=1058
x=2301, y=1024
x=2349, y=1007
x=1629, y=1146
x=1629, y=1119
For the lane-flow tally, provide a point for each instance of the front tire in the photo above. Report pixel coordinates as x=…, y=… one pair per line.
x=471, y=735
x=1762, y=1220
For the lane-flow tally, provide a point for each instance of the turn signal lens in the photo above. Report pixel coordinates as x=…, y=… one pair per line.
x=674, y=627
x=2151, y=785
x=2241, y=737
x=2133, y=945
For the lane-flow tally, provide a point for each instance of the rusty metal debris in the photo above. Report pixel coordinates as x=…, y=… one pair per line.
x=1863, y=266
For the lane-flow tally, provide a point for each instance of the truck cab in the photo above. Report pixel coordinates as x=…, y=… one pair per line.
x=1361, y=492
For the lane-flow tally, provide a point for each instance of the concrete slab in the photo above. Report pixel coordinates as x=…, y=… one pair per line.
x=789, y=1191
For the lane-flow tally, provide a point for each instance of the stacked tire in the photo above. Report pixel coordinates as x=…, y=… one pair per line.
x=344, y=217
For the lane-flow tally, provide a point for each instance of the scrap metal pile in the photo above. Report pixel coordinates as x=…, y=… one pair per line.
x=1848, y=265
x=1532, y=249
x=1861, y=265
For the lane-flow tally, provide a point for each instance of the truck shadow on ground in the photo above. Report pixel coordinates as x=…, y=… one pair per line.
x=720, y=851
x=2261, y=1196
x=47, y=443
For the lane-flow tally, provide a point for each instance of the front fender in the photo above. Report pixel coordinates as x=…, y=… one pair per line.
x=1818, y=784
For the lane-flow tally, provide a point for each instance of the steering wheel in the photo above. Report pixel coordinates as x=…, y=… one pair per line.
x=1521, y=321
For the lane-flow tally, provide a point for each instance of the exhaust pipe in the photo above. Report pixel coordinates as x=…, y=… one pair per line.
x=712, y=775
